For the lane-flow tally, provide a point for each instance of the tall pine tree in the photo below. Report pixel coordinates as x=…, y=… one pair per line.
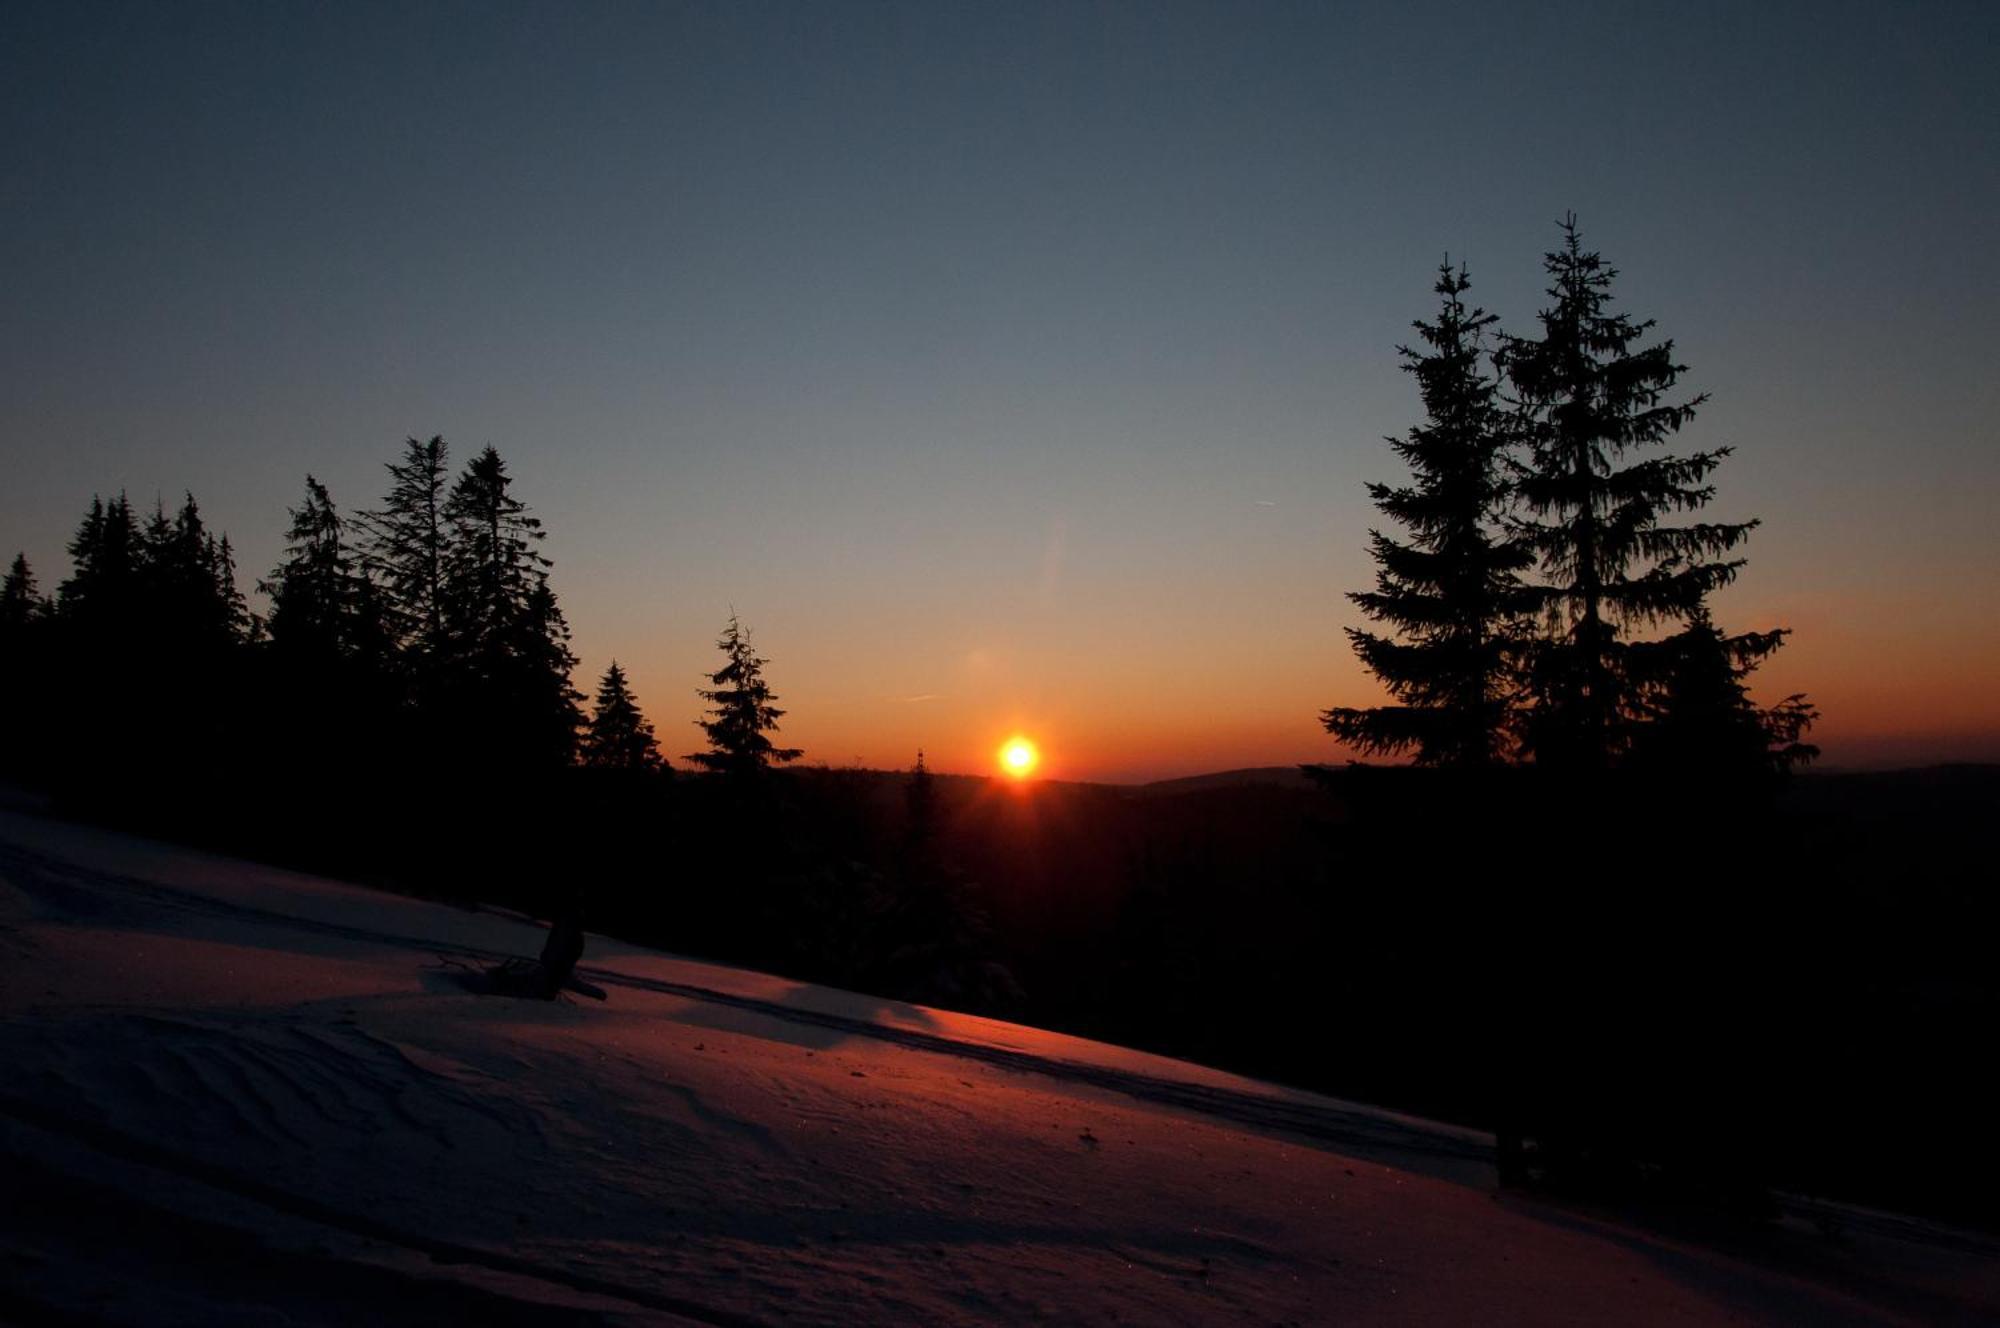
x=24, y=711
x=1590, y=397
x=1452, y=590
x=492, y=564
x=312, y=590
x=740, y=711
x=506, y=643
x=324, y=608
x=21, y=605
x=333, y=709
x=1700, y=726
x=407, y=545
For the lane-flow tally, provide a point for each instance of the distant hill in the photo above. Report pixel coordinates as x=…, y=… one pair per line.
x=1920, y=789
x=1923, y=800
x=1278, y=776
x=1288, y=777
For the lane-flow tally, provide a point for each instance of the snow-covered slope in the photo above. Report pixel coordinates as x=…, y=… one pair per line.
x=234, y=1093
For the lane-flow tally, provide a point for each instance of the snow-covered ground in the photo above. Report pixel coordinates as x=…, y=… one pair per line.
x=238, y=1094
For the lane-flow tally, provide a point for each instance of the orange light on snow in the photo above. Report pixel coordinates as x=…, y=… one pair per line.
x=1019, y=758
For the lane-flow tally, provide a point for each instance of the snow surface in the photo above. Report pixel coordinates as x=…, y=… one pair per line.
x=235, y=1094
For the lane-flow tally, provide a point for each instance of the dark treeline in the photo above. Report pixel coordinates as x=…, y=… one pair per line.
x=412, y=675
x=404, y=714
x=1596, y=911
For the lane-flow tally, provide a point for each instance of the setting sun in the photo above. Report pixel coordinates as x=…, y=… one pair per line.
x=1018, y=757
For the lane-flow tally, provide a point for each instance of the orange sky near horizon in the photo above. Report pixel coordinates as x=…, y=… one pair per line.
x=1193, y=704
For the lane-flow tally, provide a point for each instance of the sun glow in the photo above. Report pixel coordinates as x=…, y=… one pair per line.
x=1019, y=758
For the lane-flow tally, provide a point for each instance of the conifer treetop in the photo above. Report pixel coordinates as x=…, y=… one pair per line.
x=407, y=543
x=321, y=605
x=1590, y=395
x=740, y=711
x=619, y=737
x=20, y=603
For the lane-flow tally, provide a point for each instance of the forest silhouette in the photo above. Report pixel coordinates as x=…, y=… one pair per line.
x=1596, y=911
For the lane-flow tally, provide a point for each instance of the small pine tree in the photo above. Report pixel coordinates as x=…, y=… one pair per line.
x=157, y=551
x=920, y=798
x=740, y=711
x=324, y=607
x=1453, y=591
x=20, y=604
x=99, y=635
x=1588, y=396
x=313, y=592
x=1699, y=721
x=231, y=608
x=25, y=716
x=506, y=644
x=619, y=736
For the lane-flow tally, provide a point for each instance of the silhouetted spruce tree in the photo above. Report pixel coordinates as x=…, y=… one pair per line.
x=555, y=705
x=405, y=552
x=101, y=594
x=920, y=800
x=333, y=691
x=1631, y=675
x=327, y=613
x=1589, y=398
x=1699, y=724
x=506, y=643
x=740, y=711
x=22, y=609
x=313, y=591
x=619, y=736
x=188, y=578
x=101, y=627
x=491, y=562
x=230, y=607
x=1452, y=591
x=21, y=606
x=98, y=636
x=24, y=713
x=156, y=549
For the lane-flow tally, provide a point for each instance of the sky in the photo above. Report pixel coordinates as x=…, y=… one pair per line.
x=1010, y=367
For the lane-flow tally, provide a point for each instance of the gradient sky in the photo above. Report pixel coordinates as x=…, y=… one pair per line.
x=1010, y=365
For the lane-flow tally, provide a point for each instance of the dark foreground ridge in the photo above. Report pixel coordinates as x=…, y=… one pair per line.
x=1448, y=1152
